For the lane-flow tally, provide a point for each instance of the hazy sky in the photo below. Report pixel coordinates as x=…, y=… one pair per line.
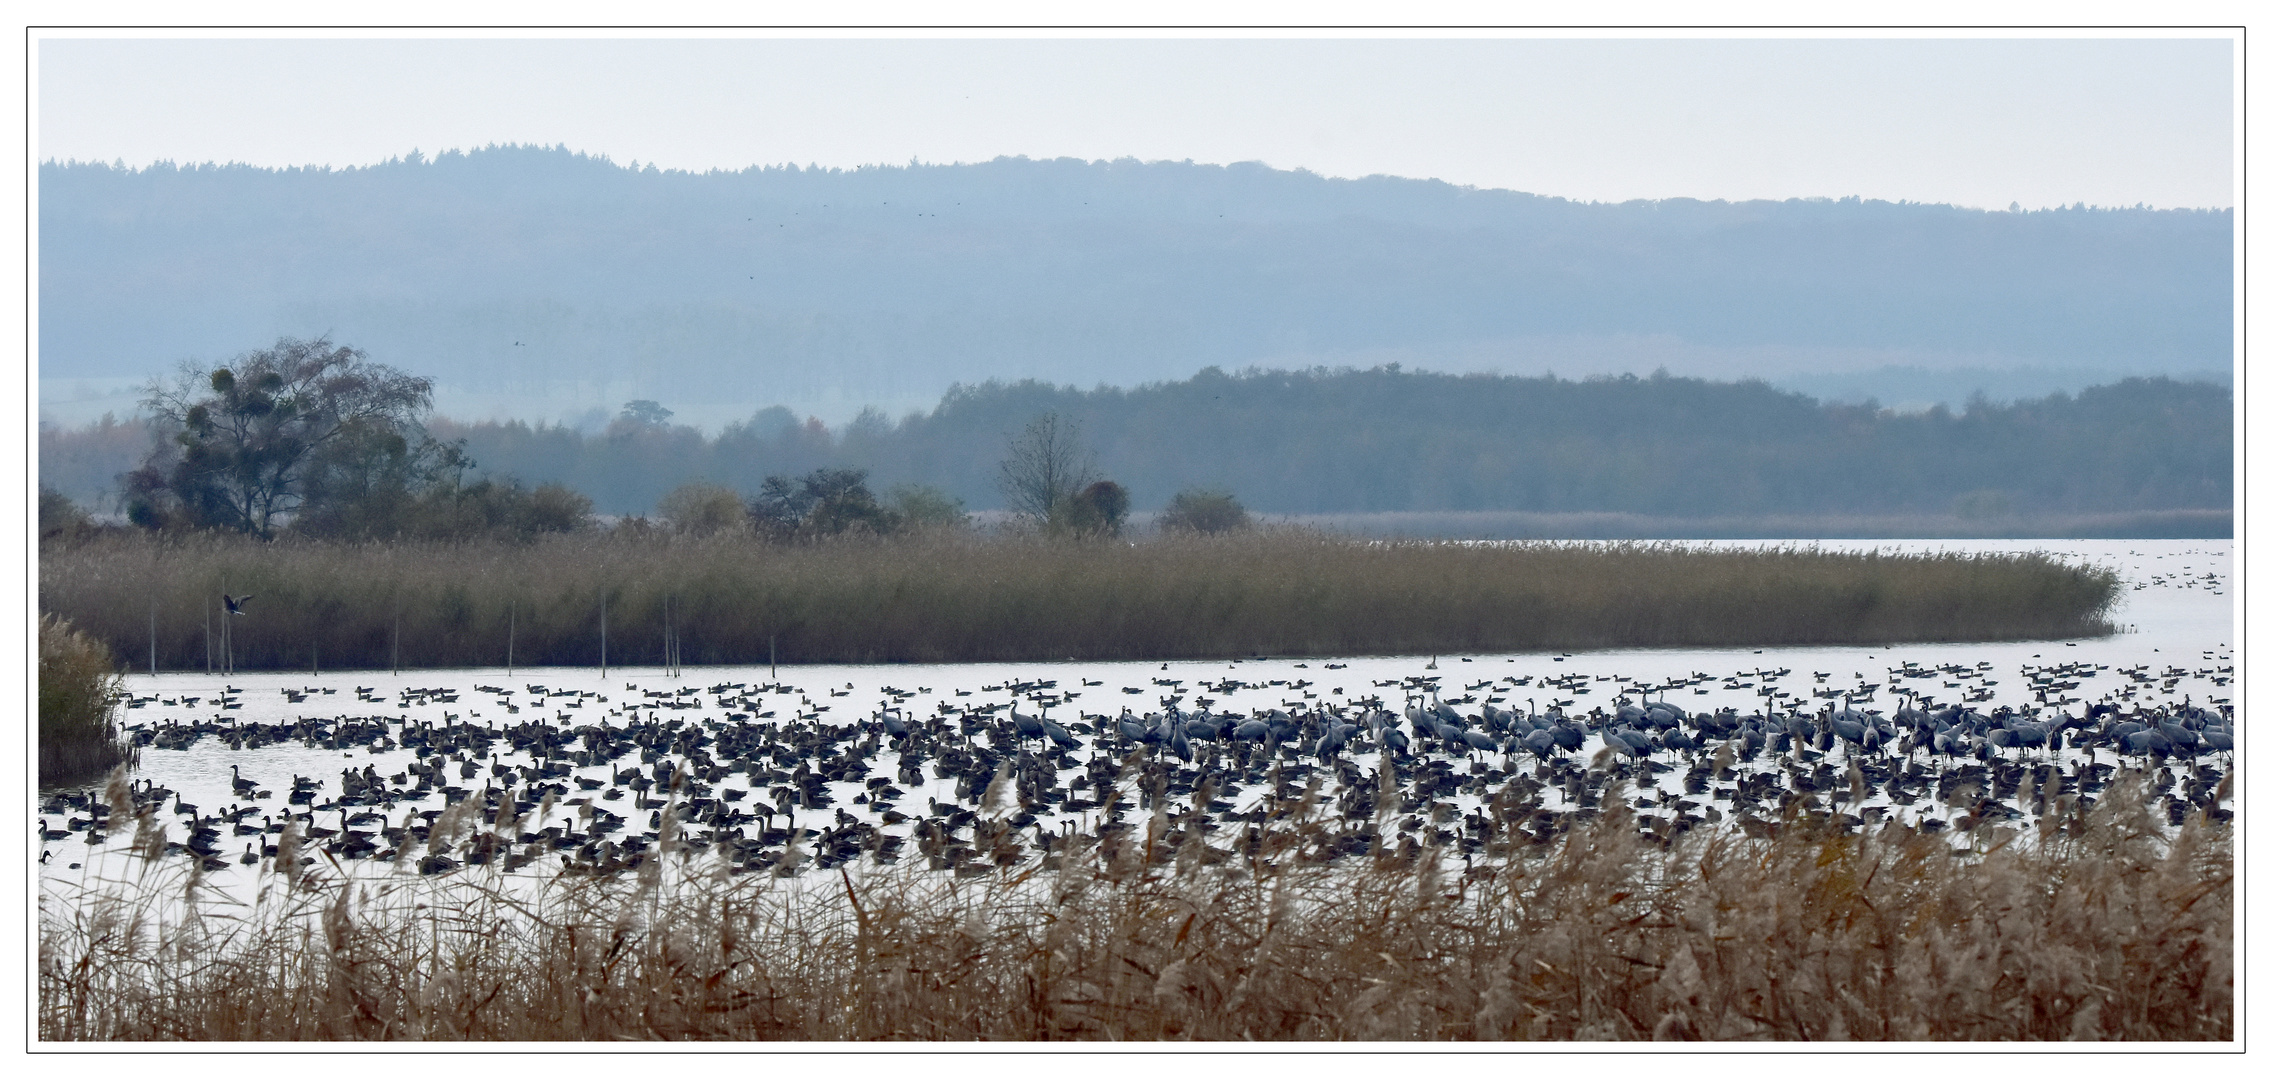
x=1974, y=122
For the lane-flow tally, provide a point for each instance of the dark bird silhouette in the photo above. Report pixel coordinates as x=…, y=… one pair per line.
x=235, y=604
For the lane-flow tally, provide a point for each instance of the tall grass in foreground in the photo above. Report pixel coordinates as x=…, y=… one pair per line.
x=78, y=706
x=736, y=600
x=2099, y=924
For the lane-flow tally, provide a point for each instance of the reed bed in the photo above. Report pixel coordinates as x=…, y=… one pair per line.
x=78, y=706
x=2097, y=923
x=736, y=600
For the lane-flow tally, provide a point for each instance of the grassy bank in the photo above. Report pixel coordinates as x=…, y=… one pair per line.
x=78, y=703
x=2097, y=924
x=735, y=600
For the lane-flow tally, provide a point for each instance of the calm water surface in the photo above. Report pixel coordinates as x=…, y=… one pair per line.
x=2177, y=613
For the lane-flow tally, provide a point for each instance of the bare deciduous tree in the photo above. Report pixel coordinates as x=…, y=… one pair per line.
x=1047, y=465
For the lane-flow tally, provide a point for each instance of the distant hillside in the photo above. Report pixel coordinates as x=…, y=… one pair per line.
x=543, y=283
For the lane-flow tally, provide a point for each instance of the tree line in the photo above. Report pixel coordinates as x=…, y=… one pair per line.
x=1384, y=439
x=313, y=438
x=1311, y=441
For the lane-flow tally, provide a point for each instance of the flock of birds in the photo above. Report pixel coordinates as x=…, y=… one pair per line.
x=569, y=781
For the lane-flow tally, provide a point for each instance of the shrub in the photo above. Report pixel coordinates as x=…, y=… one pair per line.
x=921, y=507
x=553, y=508
x=60, y=518
x=78, y=697
x=701, y=509
x=1204, y=510
x=487, y=509
x=1096, y=510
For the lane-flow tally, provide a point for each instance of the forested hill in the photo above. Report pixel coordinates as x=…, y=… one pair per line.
x=1387, y=440
x=541, y=283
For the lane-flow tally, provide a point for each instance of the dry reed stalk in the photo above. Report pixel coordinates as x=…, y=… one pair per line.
x=948, y=598
x=79, y=692
x=2101, y=924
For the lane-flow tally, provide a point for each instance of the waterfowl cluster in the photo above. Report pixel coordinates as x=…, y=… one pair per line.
x=762, y=778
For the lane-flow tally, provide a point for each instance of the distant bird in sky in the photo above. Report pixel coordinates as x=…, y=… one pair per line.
x=235, y=604
x=521, y=344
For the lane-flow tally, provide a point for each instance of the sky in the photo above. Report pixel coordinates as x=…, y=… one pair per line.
x=1975, y=122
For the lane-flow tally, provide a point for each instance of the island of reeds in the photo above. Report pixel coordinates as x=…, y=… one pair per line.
x=735, y=599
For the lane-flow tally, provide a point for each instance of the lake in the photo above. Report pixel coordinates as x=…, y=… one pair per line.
x=2177, y=617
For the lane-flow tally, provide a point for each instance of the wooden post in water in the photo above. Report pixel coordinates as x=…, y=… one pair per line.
x=396, y=656
x=208, y=639
x=603, y=635
x=773, y=655
x=512, y=613
x=153, y=639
